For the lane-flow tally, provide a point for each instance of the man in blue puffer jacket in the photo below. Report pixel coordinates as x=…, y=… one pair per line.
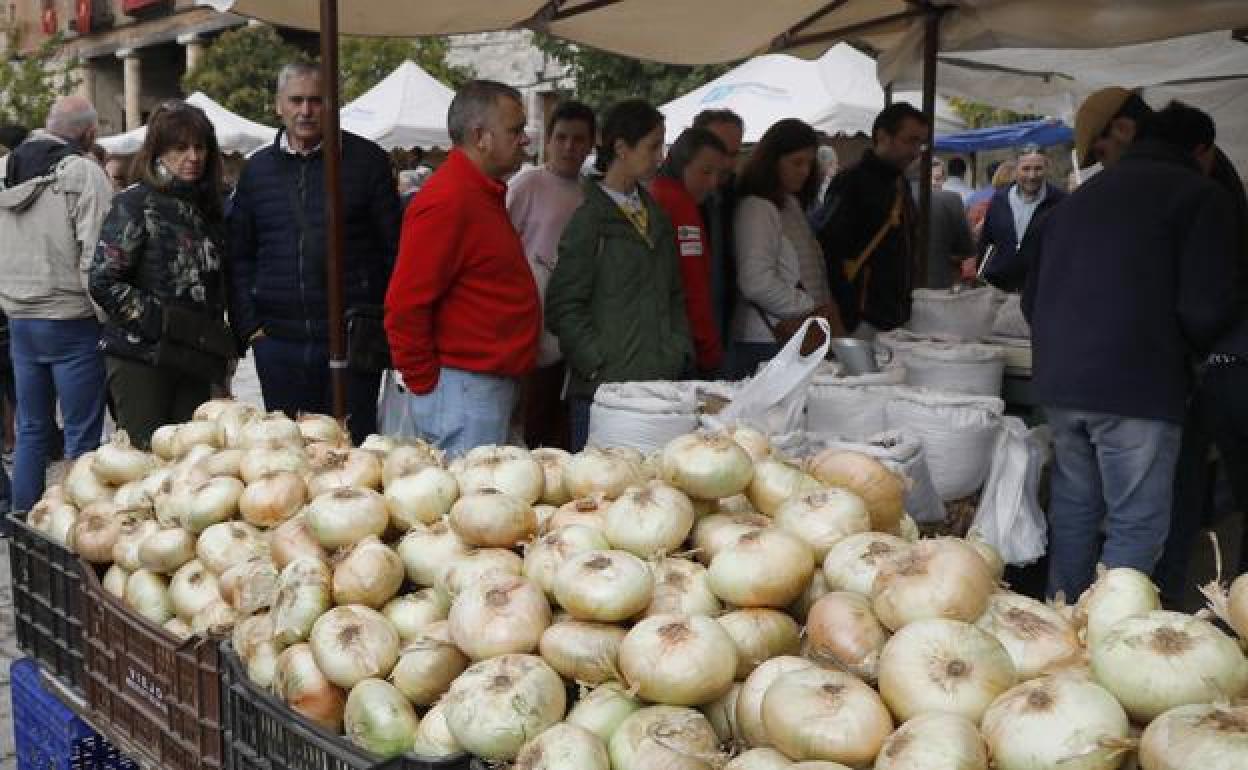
x=278, y=237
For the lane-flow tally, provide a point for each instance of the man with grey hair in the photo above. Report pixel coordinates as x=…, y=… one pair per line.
x=278, y=289
x=55, y=199
x=462, y=311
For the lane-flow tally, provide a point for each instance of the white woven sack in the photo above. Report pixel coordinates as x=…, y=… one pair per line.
x=852, y=412
x=892, y=373
x=967, y=315
x=977, y=370
x=1010, y=321
x=642, y=415
x=904, y=452
x=958, y=435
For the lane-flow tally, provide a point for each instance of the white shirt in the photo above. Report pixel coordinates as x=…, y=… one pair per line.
x=957, y=185
x=1025, y=210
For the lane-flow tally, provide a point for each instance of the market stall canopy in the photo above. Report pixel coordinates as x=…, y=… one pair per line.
x=406, y=109
x=234, y=132
x=1042, y=133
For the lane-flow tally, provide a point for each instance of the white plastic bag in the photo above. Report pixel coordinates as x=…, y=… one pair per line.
x=774, y=400
x=389, y=404
x=958, y=435
x=1009, y=517
x=967, y=315
x=1010, y=321
x=642, y=415
x=904, y=452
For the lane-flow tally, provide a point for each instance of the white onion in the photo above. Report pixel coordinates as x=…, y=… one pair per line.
x=585, y=511
x=853, y=563
x=192, y=589
x=544, y=513
x=760, y=759
x=230, y=423
x=753, y=441
x=775, y=481
x=258, y=463
x=302, y=597
x=194, y=433
x=602, y=709
x=251, y=586
x=553, y=461
x=766, y=568
x=650, y=520
x=815, y=590
x=544, y=556
x=508, y=469
x=167, y=550
x=937, y=578
x=299, y=682
x=882, y=490
x=665, y=738
x=223, y=462
x=271, y=500
x=564, y=747
x=221, y=546
x=292, y=539
x=717, y=531
x=722, y=714
x=379, y=719
x=216, y=408
x=473, y=567
x=678, y=660
x=755, y=686
x=759, y=635
x=1208, y=737
x=842, y=631
x=498, y=615
x=200, y=505
x=1117, y=593
x=426, y=552
x=492, y=519
x=990, y=555
x=1056, y=722
x=163, y=441
x=494, y=707
x=826, y=715
x=823, y=518
x=148, y=594
x=133, y=533
x=405, y=460
x=322, y=427
x=606, y=586
x=346, y=516
x=706, y=465
x=420, y=498
x=433, y=738
x=682, y=587
x=1157, y=661
x=427, y=665
x=412, y=613
x=214, y=619
x=602, y=472
x=581, y=651
x=943, y=665
x=272, y=430
x=94, y=535
x=353, y=643
x=250, y=633
x=934, y=742
x=116, y=462
x=188, y=471
x=114, y=582
x=368, y=573
x=345, y=468
x=1037, y=637
x=82, y=486
x=177, y=628
x=129, y=497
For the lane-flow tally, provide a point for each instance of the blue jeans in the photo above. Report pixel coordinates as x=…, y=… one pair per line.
x=465, y=410
x=54, y=361
x=578, y=422
x=294, y=378
x=1111, y=471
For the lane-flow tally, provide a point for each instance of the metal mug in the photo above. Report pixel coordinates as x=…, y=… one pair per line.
x=855, y=356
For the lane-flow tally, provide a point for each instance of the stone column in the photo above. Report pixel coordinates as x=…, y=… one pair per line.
x=133, y=84
x=86, y=80
x=194, y=45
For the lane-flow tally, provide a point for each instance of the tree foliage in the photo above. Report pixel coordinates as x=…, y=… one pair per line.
x=29, y=85
x=239, y=71
x=978, y=115
x=366, y=61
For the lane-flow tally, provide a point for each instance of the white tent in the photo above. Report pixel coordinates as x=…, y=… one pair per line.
x=234, y=132
x=406, y=109
x=837, y=94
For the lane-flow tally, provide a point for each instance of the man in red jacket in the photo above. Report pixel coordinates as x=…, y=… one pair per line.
x=462, y=309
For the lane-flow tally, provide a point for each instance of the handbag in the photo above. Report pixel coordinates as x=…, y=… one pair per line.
x=368, y=350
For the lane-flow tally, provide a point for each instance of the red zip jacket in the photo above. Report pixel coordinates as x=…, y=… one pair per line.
x=462, y=294
x=693, y=245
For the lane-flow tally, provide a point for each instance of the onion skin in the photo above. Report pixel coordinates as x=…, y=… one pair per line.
x=354, y=643
x=544, y=556
x=581, y=651
x=1117, y=594
x=760, y=759
x=759, y=635
x=412, y=613
x=681, y=587
x=492, y=519
x=823, y=518
x=775, y=482
x=426, y=552
x=678, y=660
x=433, y=738
x=1037, y=638
x=706, y=466
x=507, y=469
x=293, y=539
x=269, y=501
x=603, y=709
x=1209, y=737
x=934, y=741
x=853, y=563
x=346, y=516
x=482, y=711
x=303, y=686
x=475, y=566
x=95, y=535
x=815, y=714
x=421, y=498
x=303, y=595
x=715, y=532
x=369, y=573
x=553, y=461
x=650, y=520
x=750, y=701
x=564, y=747
x=722, y=714
x=427, y=665
x=883, y=491
x=388, y=727
x=591, y=586
x=937, y=578
x=842, y=631
x=596, y=471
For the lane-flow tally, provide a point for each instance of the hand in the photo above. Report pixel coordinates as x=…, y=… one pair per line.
x=969, y=270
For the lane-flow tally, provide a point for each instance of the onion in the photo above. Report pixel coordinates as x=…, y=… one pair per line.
x=650, y=520
x=251, y=586
x=114, y=582
x=584, y=511
x=823, y=518
x=494, y=706
x=367, y=573
x=602, y=709
x=882, y=490
x=1056, y=721
x=760, y=759
x=216, y=408
x=192, y=589
x=754, y=442
x=250, y=633
x=82, y=486
x=321, y=427
x=433, y=738
x=116, y=462
x=853, y=563
x=602, y=472
x=406, y=460
x=1209, y=737
x=473, y=567
x=166, y=550
x=714, y=533
x=544, y=556
x=426, y=552
x=216, y=618
x=706, y=465
x=934, y=742
x=346, y=516
x=990, y=555
x=221, y=546
x=938, y=578
x=750, y=701
x=581, y=651
x=775, y=481
x=177, y=628
x=200, y=505
x=507, y=469
x=412, y=613
x=943, y=665
x=55, y=519
x=299, y=682
x=163, y=441
x=842, y=631
x=345, y=468
x=133, y=533
x=302, y=597
x=271, y=431
x=421, y=498
x=606, y=586
x=293, y=539
x=353, y=643
x=188, y=471
x=766, y=568
x=95, y=535
x=830, y=715
x=193, y=434
x=273, y=499
x=258, y=463
x=223, y=462
x=666, y=738
x=564, y=747
x=681, y=587
x=1117, y=593
x=148, y=594
x=553, y=461
x=678, y=660
x=498, y=615
x=1037, y=637
x=722, y=714
x=816, y=590
x=492, y=519
x=1157, y=661
x=427, y=665
x=379, y=719
x=759, y=635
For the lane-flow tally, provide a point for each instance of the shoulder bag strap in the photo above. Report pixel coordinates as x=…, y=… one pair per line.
x=854, y=267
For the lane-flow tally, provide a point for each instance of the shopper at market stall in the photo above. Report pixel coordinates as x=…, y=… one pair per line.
x=688, y=175
x=463, y=314
x=277, y=241
x=949, y=241
x=540, y=203
x=1010, y=217
x=615, y=300
x=1132, y=275
x=55, y=200
x=159, y=277
x=870, y=237
x=781, y=274
x=718, y=211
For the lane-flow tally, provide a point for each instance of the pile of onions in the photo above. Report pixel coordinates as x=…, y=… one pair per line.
x=583, y=652
x=774, y=482
x=938, y=578
x=427, y=665
x=853, y=563
x=681, y=587
x=490, y=518
x=426, y=551
x=354, y=643
x=346, y=516
x=379, y=718
x=564, y=747
x=649, y=521
x=116, y=462
x=934, y=741
x=293, y=539
x=495, y=706
x=667, y=737
x=600, y=472
x=678, y=660
x=223, y=545
x=474, y=566
x=603, y=709
x=500, y=614
x=1036, y=636
x=819, y=714
x=271, y=500
x=824, y=518
x=303, y=595
x=759, y=635
x=706, y=466
x=764, y=568
x=943, y=665
x=368, y=573
x=1117, y=593
x=750, y=701
x=604, y=586
x=882, y=491
x=842, y=631
x=507, y=469
x=1209, y=737
x=546, y=554
x=421, y=498
x=553, y=461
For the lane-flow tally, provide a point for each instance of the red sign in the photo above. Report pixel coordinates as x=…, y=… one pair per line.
x=139, y=6
x=49, y=20
x=83, y=7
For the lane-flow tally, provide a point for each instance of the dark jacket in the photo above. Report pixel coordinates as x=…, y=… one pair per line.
x=860, y=200
x=1133, y=274
x=1235, y=339
x=615, y=299
x=1008, y=268
x=277, y=264
x=36, y=157
x=718, y=212
x=948, y=239
x=157, y=250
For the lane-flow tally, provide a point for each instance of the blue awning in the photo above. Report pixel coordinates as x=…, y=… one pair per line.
x=1044, y=133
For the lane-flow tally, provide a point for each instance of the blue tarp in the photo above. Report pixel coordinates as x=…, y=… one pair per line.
x=1044, y=133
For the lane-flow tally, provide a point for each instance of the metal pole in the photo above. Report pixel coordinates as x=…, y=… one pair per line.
x=931, y=46
x=332, y=148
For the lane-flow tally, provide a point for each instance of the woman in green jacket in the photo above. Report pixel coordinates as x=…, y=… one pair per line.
x=615, y=300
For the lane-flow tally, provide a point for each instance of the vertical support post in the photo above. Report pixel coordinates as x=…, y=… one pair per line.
x=132, y=85
x=332, y=148
x=931, y=46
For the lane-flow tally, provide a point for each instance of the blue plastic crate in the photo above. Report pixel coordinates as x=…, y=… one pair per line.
x=51, y=737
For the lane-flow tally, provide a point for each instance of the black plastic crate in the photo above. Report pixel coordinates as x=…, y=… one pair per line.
x=47, y=603
x=263, y=733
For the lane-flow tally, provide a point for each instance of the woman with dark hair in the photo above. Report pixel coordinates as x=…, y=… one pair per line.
x=615, y=299
x=687, y=177
x=158, y=277
x=781, y=276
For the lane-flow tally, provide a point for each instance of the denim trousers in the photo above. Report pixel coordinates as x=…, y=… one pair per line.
x=54, y=361
x=466, y=410
x=294, y=377
x=578, y=422
x=1110, y=473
